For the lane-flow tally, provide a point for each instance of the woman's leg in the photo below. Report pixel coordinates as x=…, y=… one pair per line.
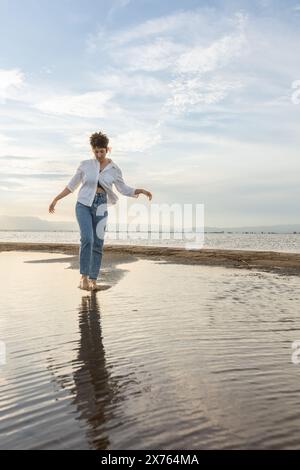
x=99, y=215
x=84, y=218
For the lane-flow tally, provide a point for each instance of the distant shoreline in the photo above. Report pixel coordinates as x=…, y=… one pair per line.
x=219, y=232
x=281, y=263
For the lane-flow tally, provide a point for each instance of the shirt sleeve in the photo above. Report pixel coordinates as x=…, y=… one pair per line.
x=122, y=187
x=76, y=179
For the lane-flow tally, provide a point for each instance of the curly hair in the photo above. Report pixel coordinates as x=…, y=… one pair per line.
x=98, y=139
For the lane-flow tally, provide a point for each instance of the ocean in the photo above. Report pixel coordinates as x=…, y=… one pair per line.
x=289, y=242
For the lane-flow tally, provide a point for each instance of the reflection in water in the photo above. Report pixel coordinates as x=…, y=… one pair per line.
x=93, y=388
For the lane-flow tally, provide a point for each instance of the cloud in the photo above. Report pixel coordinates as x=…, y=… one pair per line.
x=5, y=140
x=180, y=23
x=91, y=104
x=185, y=51
x=15, y=157
x=181, y=58
x=116, y=6
x=10, y=80
x=137, y=140
x=201, y=59
x=195, y=73
x=189, y=92
x=16, y=176
x=130, y=84
x=181, y=61
x=160, y=54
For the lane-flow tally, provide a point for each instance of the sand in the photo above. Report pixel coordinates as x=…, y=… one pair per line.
x=285, y=263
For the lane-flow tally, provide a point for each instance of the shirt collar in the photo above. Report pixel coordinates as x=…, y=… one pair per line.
x=111, y=164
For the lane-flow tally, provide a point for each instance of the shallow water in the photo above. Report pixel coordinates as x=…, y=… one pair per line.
x=170, y=357
x=288, y=242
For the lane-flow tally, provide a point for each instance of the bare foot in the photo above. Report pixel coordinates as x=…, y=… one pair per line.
x=84, y=283
x=94, y=286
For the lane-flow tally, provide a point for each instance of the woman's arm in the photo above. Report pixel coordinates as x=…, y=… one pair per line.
x=71, y=186
x=144, y=191
x=128, y=190
x=64, y=193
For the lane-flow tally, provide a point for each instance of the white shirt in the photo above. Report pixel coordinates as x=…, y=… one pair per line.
x=88, y=173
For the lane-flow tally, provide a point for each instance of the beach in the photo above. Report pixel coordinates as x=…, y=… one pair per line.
x=286, y=263
x=168, y=355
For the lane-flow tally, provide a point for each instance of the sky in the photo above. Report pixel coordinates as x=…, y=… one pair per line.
x=200, y=100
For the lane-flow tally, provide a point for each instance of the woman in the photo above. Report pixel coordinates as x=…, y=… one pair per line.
x=97, y=176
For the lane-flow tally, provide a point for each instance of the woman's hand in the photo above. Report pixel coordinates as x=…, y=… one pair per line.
x=52, y=206
x=144, y=191
x=64, y=193
x=148, y=194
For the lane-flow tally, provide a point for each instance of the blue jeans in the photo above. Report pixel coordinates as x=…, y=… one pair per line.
x=92, y=234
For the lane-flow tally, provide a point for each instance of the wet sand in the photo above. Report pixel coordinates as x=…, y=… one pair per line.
x=168, y=356
x=285, y=263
